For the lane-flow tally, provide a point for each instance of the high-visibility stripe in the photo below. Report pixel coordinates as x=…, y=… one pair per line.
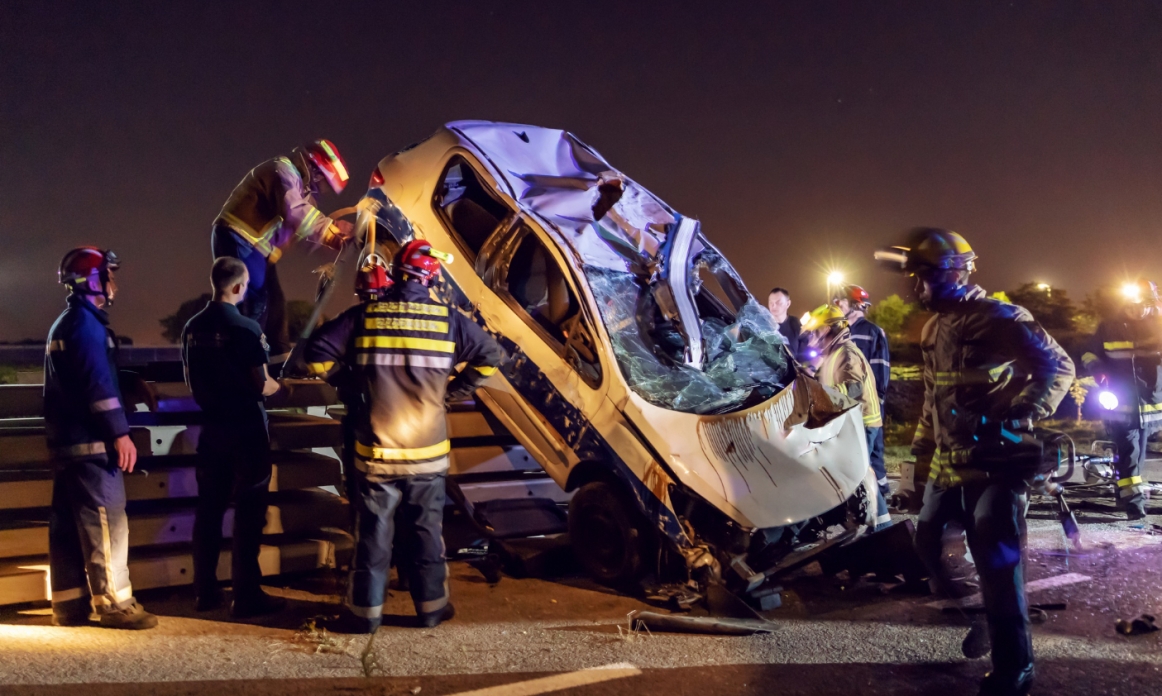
x=412, y=454
x=979, y=376
x=124, y=594
x=438, y=465
x=1087, y=358
x=83, y=449
x=55, y=346
x=104, y=405
x=885, y=518
x=304, y=229
x=406, y=342
x=432, y=310
x=259, y=240
x=320, y=368
x=365, y=612
x=1131, y=481
x=428, y=606
x=871, y=418
x=107, y=552
x=486, y=370
x=436, y=362
x=69, y=595
x=405, y=324
x=337, y=163
x=880, y=361
x=1118, y=345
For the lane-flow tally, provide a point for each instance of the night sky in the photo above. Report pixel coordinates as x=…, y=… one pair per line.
x=802, y=135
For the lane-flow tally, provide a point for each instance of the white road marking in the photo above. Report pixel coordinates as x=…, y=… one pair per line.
x=1035, y=586
x=557, y=682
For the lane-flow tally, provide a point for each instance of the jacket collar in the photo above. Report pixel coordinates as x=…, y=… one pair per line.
x=958, y=298
x=410, y=291
x=75, y=300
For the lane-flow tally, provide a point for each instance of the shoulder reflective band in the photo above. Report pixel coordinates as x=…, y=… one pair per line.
x=320, y=368
x=485, y=370
x=405, y=324
x=432, y=310
x=413, y=454
x=406, y=342
x=1131, y=481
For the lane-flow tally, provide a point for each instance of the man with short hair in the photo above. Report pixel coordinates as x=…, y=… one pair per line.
x=854, y=301
x=225, y=356
x=89, y=445
x=779, y=302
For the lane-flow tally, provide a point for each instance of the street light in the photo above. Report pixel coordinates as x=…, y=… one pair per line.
x=834, y=280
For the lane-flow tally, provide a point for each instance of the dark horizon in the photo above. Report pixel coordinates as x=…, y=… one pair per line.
x=803, y=136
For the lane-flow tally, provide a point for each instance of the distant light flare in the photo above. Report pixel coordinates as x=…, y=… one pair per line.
x=1132, y=292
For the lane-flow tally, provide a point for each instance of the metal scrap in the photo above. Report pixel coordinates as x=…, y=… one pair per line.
x=705, y=625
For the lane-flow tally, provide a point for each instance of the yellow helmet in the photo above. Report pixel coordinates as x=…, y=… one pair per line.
x=826, y=315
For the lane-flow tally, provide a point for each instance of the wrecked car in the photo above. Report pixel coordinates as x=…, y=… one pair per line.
x=640, y=373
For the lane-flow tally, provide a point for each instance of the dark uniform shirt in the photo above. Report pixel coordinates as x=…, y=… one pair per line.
x=873, y=342
x=1129, y=353
x=83, y=412
x=396, y=357
x=791, y=328
x=220, y=350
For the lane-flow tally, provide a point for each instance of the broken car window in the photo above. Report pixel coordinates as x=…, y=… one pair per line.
x=466, y=206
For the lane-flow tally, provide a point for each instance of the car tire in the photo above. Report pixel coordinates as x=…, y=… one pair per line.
x=608, y=535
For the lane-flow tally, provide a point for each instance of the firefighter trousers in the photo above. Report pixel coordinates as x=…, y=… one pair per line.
x=1130, y=444
x=88, y=539
x=420, y=503
x=232, y=464
x=265, y=302
x=993, y=516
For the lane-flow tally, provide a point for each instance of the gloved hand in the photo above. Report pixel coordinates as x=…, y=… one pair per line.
x=909, y=497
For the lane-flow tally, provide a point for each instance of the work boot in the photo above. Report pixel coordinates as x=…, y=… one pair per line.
x=1017, y=684
x=351, y=624
x=976, y=644
x=1135, y=512
x=259, y=604
x=431, y=619
x=132, y=618
x=209, y=601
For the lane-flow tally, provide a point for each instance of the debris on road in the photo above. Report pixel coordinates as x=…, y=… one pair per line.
x=697, y=624
x=1139, y=626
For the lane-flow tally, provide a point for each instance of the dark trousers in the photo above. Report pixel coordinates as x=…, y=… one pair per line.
x=1131, y=447
x=420, y=503
x=875, y=453
x=265, y=302
x=88, y=539
x=992, y=514
x=233, y=463
x=883, y=516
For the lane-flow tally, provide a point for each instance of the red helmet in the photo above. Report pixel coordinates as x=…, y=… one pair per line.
x=81, y=264
x=418, y=259
x=856, y=296
x=371, y=282
x=326, y=158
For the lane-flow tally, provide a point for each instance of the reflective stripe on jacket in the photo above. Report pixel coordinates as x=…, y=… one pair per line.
x=843, y=364
x=272, y=207
x=82, y=399
x=983, y=359
x=395, y=357
x=1129, y=353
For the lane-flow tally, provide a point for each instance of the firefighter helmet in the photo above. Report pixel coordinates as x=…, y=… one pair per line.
x=326, y=158
x=856, y=296
x=419, y=260
x=82, y=264
x=929, y=250
x=371, y=282
x=827, y=315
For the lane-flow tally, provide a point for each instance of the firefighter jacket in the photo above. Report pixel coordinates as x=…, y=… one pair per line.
x=83, y=412
x=873, y=343
x=984, y=359
x=844, y=366
x=395, y=357
x=1129, y=353
x=272, y=207
x=221, y=349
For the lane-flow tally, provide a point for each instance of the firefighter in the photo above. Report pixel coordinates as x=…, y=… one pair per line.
x=1125, y=356
x=843, y=367
x=854, y=301
x=400, y=352
x=270, y=209
x=88, y=438
x=987, y=363
x=225, y=356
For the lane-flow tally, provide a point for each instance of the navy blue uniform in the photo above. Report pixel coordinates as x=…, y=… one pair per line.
x=873, y=342
x=221, y=350
x=395, y=358
x=83, y=415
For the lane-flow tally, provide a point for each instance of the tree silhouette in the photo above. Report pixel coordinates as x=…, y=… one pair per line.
x=172, y=325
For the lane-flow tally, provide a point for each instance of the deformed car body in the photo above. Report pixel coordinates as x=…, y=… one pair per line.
x=640, y=371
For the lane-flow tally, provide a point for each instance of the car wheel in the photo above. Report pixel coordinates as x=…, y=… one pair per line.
x=608, y=536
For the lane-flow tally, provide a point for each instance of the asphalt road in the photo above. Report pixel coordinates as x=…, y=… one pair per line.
x=834, y=635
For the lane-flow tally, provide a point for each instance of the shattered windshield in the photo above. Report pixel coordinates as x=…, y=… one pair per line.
x=745, y=360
